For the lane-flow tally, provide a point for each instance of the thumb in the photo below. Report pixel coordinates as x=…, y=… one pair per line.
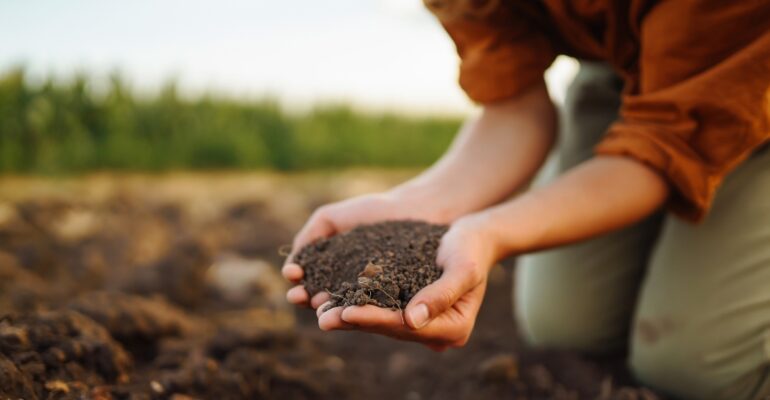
x=442, y=294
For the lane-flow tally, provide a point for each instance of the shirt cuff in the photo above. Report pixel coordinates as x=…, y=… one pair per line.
x=503, y=74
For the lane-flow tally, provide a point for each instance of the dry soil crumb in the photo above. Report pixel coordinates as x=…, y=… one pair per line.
x=384, y=264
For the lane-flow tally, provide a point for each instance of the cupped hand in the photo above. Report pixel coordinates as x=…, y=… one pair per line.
x=342, y=216
x=442, y=314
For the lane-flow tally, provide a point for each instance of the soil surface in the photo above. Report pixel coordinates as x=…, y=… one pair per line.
x=117, y=292
x=383, y=264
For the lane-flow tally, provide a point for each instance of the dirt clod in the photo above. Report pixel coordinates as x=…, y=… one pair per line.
x=138, y=323
x=502, y=368
x=126, y=316
x=51, y=350
x=383, y=264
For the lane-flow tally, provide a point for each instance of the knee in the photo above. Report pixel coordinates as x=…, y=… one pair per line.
x=688, y=365
x=550, y=322
x=653, y=365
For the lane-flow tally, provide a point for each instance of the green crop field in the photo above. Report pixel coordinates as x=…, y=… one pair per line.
x=63, y=127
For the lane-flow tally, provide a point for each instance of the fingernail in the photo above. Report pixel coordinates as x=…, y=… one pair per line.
x=419, y=315
x=321, y=309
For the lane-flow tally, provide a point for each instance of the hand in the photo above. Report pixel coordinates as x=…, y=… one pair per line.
x=442, y=314
x=339, y=217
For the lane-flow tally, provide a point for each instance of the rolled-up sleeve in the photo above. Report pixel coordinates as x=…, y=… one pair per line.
x=700, y=103
x=501, y=47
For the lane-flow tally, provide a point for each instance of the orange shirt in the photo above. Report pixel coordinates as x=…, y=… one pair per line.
x=697, y=74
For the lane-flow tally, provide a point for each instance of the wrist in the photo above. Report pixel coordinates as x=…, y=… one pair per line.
x=485, y=231
x=509, y=228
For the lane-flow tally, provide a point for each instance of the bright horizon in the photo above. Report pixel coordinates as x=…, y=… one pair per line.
x=378, y=54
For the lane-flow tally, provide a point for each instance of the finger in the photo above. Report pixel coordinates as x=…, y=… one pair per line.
x=317, y=226
x=292, y=272
x=321, y=309
x=389, y=323
x=370, y=316
x=466, y=307
x=297, y=295
x=319, y=299
x=440, y=295
x=331, y=320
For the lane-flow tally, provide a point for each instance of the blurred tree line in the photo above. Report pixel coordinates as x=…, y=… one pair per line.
x=65, y=127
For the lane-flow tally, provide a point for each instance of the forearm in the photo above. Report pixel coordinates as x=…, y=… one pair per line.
x=493, y=156
x=598, y=196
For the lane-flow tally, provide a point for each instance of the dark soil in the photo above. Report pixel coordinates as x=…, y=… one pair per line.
x=61, y=353
x=383, y=264
x=151, y=301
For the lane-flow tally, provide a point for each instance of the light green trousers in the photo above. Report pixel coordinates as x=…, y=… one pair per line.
x=691, y=301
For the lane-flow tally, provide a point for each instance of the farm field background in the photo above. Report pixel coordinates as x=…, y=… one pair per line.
x=79, y=123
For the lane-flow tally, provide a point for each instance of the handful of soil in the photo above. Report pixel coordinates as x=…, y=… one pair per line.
x=383, y=264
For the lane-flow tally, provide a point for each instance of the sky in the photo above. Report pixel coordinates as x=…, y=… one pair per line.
x=378, y=54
